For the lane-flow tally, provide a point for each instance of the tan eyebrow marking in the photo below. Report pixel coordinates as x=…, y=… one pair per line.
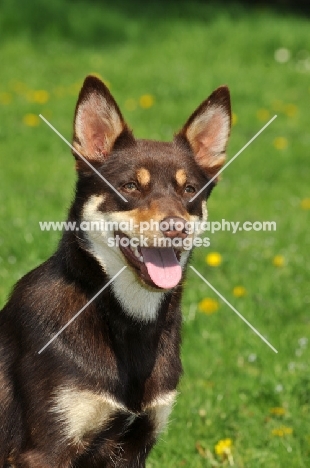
x=180, y=176
x=143, y=176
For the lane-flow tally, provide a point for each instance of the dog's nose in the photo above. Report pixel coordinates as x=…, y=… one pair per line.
x=173, y=226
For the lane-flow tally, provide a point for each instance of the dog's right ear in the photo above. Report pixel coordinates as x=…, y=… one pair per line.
x=98, y=122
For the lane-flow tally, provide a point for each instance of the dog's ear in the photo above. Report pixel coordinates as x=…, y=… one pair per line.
x=98, y=122
x=207, y=131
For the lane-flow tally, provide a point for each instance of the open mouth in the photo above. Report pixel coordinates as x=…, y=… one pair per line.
x=158, y=267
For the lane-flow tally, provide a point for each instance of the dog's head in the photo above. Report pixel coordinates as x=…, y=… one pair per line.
x=142, y=215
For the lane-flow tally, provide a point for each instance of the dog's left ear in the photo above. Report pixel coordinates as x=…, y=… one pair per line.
x=207, y=131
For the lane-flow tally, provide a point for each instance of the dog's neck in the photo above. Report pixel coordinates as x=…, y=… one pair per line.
x=92, y=265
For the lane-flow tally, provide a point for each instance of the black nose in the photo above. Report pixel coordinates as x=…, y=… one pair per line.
x=173, y=226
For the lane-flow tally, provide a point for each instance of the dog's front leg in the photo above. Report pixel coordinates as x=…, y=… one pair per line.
x=140, y=435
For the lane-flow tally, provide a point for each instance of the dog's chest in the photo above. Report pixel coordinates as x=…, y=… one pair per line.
x=142, y=366
x=83, y=413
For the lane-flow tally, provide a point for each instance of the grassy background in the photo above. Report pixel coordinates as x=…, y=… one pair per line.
x=178, y=53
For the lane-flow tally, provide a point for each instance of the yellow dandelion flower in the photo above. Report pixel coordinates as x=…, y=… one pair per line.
x=130, y=104
x=31, y=120
x=5, y=98
x=277, y=411
x=282, y=431
x=41, y=96
x=290, y=110
x=305, y=204
x=223, y=447
x=239, y=291
x=280, y=143
x=234, y=119
x=263, y=114
x=214, y=259
x=278, y=261
x=208, y=305
x=146, y=101
x=288, y=430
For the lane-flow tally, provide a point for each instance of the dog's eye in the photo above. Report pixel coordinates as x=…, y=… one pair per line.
x=130, y=187
x=189, y=189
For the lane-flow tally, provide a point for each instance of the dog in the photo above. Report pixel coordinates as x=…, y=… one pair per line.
x=101, y=392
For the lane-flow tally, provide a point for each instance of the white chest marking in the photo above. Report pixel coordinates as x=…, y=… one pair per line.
x=82, y=412
x=160, y=409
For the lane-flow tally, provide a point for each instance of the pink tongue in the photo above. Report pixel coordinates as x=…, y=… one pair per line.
x=162, y=266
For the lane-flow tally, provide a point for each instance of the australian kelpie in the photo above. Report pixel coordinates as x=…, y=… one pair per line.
x=101, y=392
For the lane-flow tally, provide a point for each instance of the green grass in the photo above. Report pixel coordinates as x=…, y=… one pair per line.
x=178, y=53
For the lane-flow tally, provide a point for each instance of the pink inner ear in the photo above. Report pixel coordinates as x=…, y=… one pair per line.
x=98, y=133
x=98, y=144
x=212, y=139
x=97, y=125
x=94, y=132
